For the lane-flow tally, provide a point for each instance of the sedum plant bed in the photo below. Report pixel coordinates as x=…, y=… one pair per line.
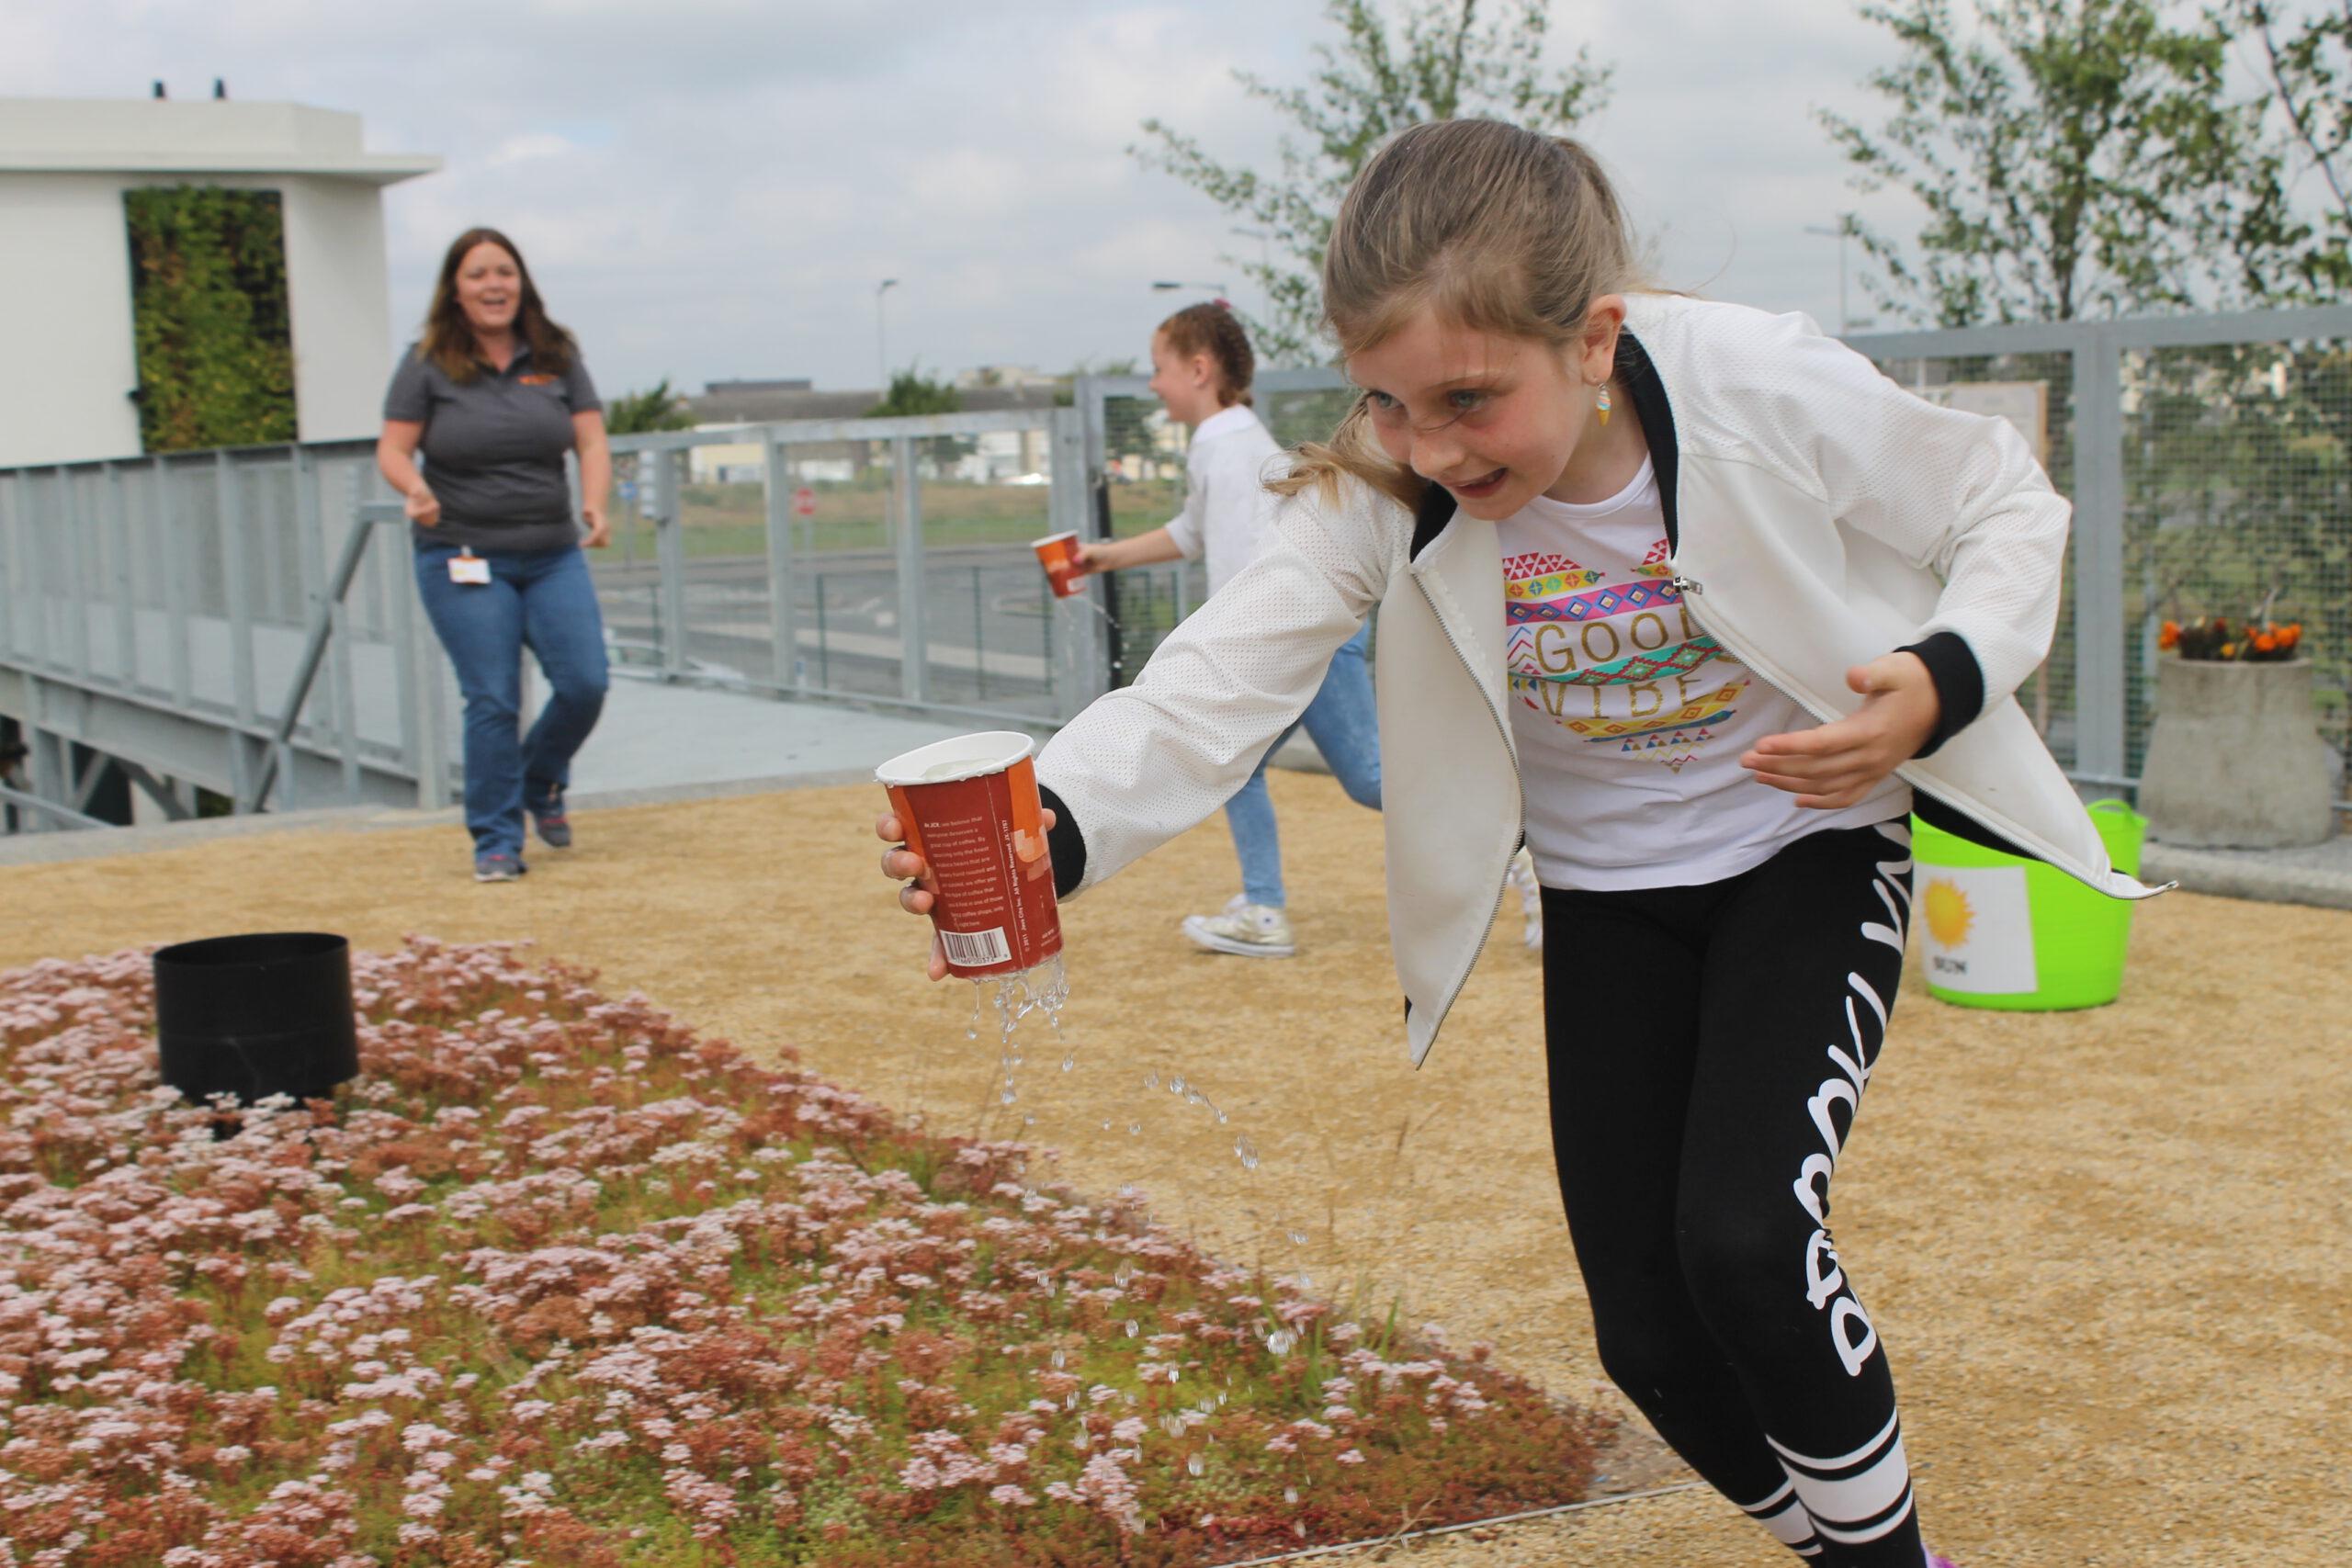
x=553, y=1282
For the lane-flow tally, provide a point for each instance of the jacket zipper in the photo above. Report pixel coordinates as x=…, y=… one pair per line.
x=1690, y=587
x=1502, y=884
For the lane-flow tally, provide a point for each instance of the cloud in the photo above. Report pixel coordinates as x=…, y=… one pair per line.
x=712, y=187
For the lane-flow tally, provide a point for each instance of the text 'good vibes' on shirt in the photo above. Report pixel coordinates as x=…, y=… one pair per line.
x=1629, y=720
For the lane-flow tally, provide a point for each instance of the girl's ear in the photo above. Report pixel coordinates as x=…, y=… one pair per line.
x=1596, y=344
x=1203, y=370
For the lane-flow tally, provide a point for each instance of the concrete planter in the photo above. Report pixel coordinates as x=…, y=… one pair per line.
x=2235, y=760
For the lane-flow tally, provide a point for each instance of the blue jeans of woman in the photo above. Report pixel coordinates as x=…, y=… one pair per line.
x=1345, y=727
x=542, y=600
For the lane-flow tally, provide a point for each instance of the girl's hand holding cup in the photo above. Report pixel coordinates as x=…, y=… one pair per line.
x=921, y=891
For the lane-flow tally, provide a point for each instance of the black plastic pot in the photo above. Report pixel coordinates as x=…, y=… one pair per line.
x=253, y=1015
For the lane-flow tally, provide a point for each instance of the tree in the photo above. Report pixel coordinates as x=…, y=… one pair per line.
x=656, y=408
x=2308, y=65
x=912, y=392
x=2083, y=158
x=1434, y=60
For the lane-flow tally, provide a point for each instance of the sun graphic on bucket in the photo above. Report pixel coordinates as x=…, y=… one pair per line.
x=1949, y=918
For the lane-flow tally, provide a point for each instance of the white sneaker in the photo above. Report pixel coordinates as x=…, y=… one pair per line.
x=1522, y=876
x=1250, y=931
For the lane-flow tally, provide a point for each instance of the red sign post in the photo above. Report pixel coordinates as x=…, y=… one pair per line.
x=803, y=502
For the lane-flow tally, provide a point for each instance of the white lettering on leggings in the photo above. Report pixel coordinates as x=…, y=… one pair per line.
x=1826, y=1287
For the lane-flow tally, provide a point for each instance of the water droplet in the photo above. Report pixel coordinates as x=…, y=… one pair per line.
x=1220, y=1400
x=1069, y=1061
x=1061, y=1360
x=1070, y=1401
x=1175, y=1085
x=1298, y=1238
x=1290, y=1494
x=1195, y=1464
x=1135, y=1127
x=1134, y=1329
x=1151, y=1080
x=1106, y=1123
x=1281, y=1340
x=1220, y=1118
x=1125, y=1272
x=1172, y=1424
x=1298, y=1529
x=1030, y=1120
x=1245, y=1151
x=1009, y=1094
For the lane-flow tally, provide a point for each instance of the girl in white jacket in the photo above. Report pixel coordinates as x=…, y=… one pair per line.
x=1701, y=606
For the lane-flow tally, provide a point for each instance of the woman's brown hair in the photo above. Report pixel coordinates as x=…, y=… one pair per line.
x=1212, y=328
x=448, y=339
x=1494, y=227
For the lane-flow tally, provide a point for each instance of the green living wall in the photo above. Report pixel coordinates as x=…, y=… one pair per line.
x=216, y=348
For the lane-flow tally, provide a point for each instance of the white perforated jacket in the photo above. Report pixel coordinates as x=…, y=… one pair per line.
x=1820, y=515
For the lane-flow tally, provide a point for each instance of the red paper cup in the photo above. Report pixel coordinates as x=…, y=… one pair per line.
x=969, y=808
x=1058, y=554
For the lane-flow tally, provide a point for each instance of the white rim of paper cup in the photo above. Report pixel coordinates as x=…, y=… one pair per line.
x=975, y=756
x=1053, y=538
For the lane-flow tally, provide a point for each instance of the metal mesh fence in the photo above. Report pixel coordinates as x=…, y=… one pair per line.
x=2239, y=502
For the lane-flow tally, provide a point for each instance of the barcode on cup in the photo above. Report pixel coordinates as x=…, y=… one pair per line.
x=975, y=950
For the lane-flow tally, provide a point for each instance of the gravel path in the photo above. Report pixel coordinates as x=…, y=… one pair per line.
x=2106, y=1250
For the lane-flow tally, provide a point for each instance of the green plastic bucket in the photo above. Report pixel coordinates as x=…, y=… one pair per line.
x=2001, y=931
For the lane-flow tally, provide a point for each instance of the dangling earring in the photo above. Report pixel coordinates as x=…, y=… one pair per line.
x=1601, y=404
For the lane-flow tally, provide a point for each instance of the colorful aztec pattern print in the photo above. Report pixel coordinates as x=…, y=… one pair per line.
x=1614, y=664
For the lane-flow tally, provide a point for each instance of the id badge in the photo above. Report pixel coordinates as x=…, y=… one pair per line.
x=468, y=567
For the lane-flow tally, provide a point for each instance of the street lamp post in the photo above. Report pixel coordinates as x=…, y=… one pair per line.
x=1265, y=264
x=881, y=343
x=1846, y=230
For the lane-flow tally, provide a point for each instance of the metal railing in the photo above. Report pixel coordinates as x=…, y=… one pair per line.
x=881, y=561
x=219, y=621
x=217, y=624
x=213, y=622
x=2210, y=462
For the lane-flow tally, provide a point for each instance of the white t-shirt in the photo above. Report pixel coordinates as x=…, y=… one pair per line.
x=1226, y=504
x=1629, y=720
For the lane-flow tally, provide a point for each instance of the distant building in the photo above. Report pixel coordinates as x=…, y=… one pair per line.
x=1013, y=376
x=65, y=281
x=998, y=458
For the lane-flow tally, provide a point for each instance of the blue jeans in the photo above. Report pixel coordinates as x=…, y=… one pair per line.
x=542, y=600
x=1346, y=729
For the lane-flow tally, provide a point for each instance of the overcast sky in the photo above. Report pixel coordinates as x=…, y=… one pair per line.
x=712, y=189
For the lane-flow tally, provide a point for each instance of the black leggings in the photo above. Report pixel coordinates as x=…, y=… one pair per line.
x=1708, y=1047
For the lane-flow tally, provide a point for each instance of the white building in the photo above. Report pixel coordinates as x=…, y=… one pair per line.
x=70, y=363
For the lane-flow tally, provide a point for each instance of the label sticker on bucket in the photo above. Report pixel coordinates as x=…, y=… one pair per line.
x=1978, y=929
x=971, y=950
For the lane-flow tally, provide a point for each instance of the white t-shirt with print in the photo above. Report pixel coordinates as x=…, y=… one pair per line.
x=1629, y=720
x=1226, y=504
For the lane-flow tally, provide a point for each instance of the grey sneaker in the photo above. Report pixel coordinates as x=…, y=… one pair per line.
x=555, y=828
x=499, y=868
x=1248, y=931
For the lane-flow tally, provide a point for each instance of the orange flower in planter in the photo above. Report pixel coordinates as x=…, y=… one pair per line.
x=2264, y=642
x=2168, y=637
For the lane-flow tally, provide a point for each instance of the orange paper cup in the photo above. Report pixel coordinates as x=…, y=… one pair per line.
x=970, y=808
x=1058, y=554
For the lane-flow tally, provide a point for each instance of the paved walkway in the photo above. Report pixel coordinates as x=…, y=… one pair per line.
x=655, y=742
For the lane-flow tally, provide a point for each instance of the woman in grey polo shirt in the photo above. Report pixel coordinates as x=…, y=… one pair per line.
x=494, y=394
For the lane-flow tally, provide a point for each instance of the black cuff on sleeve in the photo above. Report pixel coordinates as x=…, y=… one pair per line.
x=1064, y=844
x=1960, y=684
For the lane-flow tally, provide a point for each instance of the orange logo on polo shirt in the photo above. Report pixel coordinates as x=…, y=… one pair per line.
x=537, y=381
